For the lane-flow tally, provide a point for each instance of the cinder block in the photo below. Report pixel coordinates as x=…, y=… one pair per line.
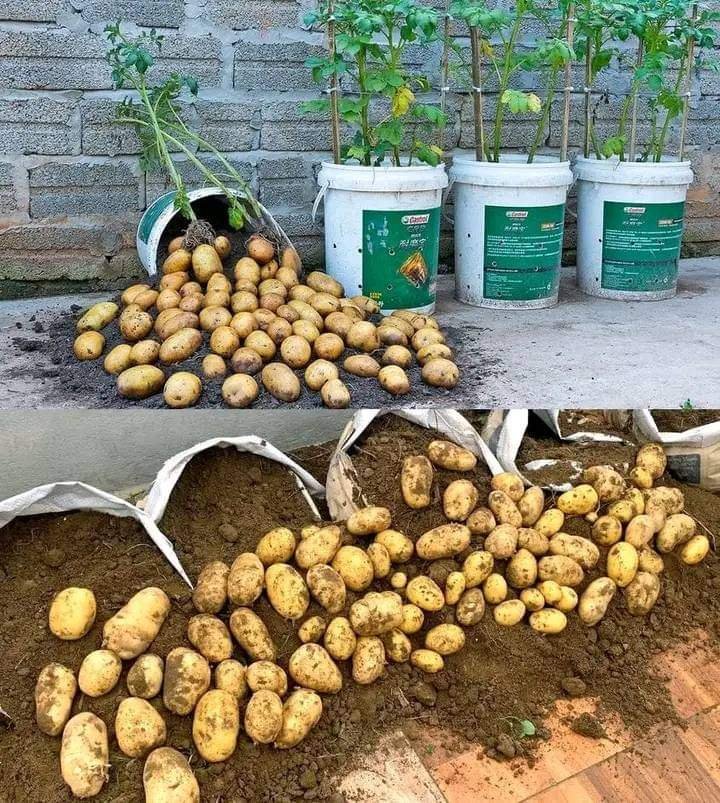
x=229, y=125
x=8, y=196
x=276, y=66
x=156, y=185
x=292, y=193
x=23, y=11
x=41, y=125
x=151, y=13
x=253, y=14
x=101, y=134
x=95, y=239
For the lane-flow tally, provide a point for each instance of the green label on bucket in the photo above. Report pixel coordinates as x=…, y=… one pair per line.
x=523, y=248
x=400, y=257
x=641, y=246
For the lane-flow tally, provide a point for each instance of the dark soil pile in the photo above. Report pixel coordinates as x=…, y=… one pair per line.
x=609, y=422
x=680, y=420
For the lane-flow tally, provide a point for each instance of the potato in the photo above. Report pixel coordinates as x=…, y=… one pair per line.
x=562, y=569
x=354, y=566
x=213, y=367
x=530, y=539
x=205, y=261
x=182, y=389
x=495, y=589
x=552, y=592
x=679, y=528
x=399, y=546
x=84, y=753
x=276, y=546
x=287, y=276
x=427, y=661
x=144, y=352
x=210, y=594
x=246, y=579
x=394, y=380
x=425, y=593
x=607, y=482
x=307, y=313
x=312, y=667
x=246, y=361
x=426, y=337
x=532, y=599
x=481, y=521
x=174, y=281
x=440, y=373
x=286, y=590
x=247, y=268
x=397, y=646
x=216, y=298
x=642, y=593
x=140, y=381
x=607, y=530
x=244, y=324
x=187, y=678
x=272, y=286
x=568, y=599
x=311, y=629
x=671, y=498
x=416, y=479
x=651, y=457
x=459, y=500
x=338, y=323
x=656, y=510
x=266, y=675
x=398, y=323
x=264, y=716
x=99, y=673
x=281, y=382
x=640, y=531
x=301, y=712
x=504, y=509
x=252, y=635
x=173, y=320
x=335, y=394
x=397, y=355
x=191, y=303
x=622, y=510
x=167, y=778
x=368, y=305
x=502, y=541
x=329, y=346
x=118, y=359
x=136, y=625
x=470, y=607
x=450, y=456
x=445, y=639
x=444, y=541
x=636, y=499
x=368, y=660
x=595, y=599
x=72, y=613
x=433, y=351
x=650, y=561
x=54, y=694
x=135, y=323
x=580, y=549
x=296, y=351
x=97, y=317
x=521, y=570
x=398, y=581
x=352, y=312
x=412, y=619
x=89, y=346
x=180, y=346
x=380, y=558
x=327, y=587
x=306, y=330
x=641, y=478
x=550, y=522
x=138, y=727
x=391, y=336
x=376, y=613
x=240, y=390
x=134, y=291
x=319, y=372
x=477, y=567
x=145, y=677
x=212, y=317
x=320, y=547
x=695, y=550
x=166, y=299
x=179, y=260
x=340, y=639
x=530, y=505
x=511, y=484
x=580, y=500
x=210, y=637
x=548, y=621
x=509, y=613
x=230, y=676
x=454, y=587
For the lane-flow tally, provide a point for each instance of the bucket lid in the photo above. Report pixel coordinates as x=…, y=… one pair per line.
x=513, y=170
x=612, y=171
x=384, y=178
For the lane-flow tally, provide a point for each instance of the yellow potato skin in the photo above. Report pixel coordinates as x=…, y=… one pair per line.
x=427, y=661
x=533, y=599
x=369, y=521
x=651, y=457
x=459, y=500
x=504, y=509
x=454, y=587
x=139, y=728
x=444, y=541
x=580, y=500
x=140, y=381
x=89, y=346
x=264, y=716
x=561, y=569
x=187, y=678
x=54, y=694
x=509, y=483
x=216, y=724
x=301, y=712
x=368, y=660
x=531, y=505
x=145, y=677
x=550, y=522
x=311, y=667
x=340, y=639
x=210, y=637
x=376, y=613
x=607, y=530
x=72, y=613
x=450, y=456
x=622, y=563
x=397, y=646
x=311, y=629
x=521, y=570
x=642, y=593
x=230, y=676
x=695, y=550
x=167, y=778
x=399, y=546
x=509, y=613
x=287, y=591
x=210, y=594
x=481, y=521
x=327, y=587
x=678, y=529
x=425, y=593
x=471, y=607
x=445, y=639
x=580, y=549
x=502, y=541
x=97, y=317
x=99, y=673
x=595, y=599
x=246, y=579
x=354, y=566
x=495, y=589
x=549, y=621
x=84, y=755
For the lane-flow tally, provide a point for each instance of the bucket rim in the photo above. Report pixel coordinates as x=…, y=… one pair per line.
x=384, y=168
x=514, y=160
x=666, y=162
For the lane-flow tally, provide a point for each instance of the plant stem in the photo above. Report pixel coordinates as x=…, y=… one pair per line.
x=506, y=73
x=545, y=117
x=364, y=117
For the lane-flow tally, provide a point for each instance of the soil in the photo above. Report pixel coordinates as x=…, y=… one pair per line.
x=681, y=420
x=608, y=422
x=502, y=677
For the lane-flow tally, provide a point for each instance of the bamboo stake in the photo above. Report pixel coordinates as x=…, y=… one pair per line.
x=588, y=91
x=445, y=73
x=334, y=87
x=476, y=56
x=633, y=123
x=568, y=85
x=688, y=83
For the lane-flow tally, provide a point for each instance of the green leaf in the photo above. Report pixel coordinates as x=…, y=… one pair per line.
x=527, y=728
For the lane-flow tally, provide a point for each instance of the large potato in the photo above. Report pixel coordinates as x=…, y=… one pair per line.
x=210, y=594
x=459, y=500
x=580, y=549
x=530, y=539
x=376, y=613
x=363, y=336
x=477, y=567
x=261, y=343
x=84, y=755
x=595, y=599
x=368, y=520
x=167, y=778
x=89, y=346
x=622, y=563
x=246, y=579
x=311, y=667
x=136, y=625
x=210, y=637
x=562, y=569
x=678, y=529
x=319, y=372
x=368, y=660
x=444, y=541
x=72, y=613
x=650, y=561
x=642, y=593
x=140, y=381
x=340, y=639
x=135, y=323
x=531, y=505
x=264, y=716
x=502, y=541
x=394, y=380
x=640, y=531
x=481, y=521
x=97, y=317
x=608, y=483
x=145, y=677
x=450, y=456
x=327, y=587
x=440, y=373
x=205, y=261
x=579, y=501
x=287, y=591
x=182, y=389
x=550, y=522
x=362, y=365
x=301, y=712
x=54, y=694
x=354, y=566
x=276, y=546
x=521, y=570
x=216, y=724
x=240, y=390
x=427, y=661
x=416, y=479
x=651, y=457
x=230, y=676
x=400, y=548
x=445, y=639
x=471, y=607
x=425, y=593
x=504, y=509
x=281, y=382
x=266, y=675
x=607, y=530
x=695, y=550
x=138, y=727
x=180, y=346
x=671, y=499
x=548, y=621
x=510, y=612
x=99, y=673
x=187, y=678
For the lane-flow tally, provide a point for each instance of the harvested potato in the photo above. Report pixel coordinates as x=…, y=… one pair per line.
x=450, y=456
x=568, y=599
x=521, y=570
x=247, y=268
x=187, y=678
x=549, y=621
x=397, y=355
x=327, y=587
x=301, y=712
x=335, y=394
x=118, y=359
x=145, y=677
x=311, y=667
x=135, y=323
x=246, y=579
x=459, y=500
x=425, y=593
x=329, y=346
x=433, y=351
x=136, y=625
x=391, y=336
x=607, y=530
x=171, y=321
x=210, y=594
x=99, y=673
x=182, y=389
x=264, y=716
x=322, y=283
x=481, y=521
x=530, y=539
x=311, y=629
x=167, y=778
x=650, y=561
x=287, y=591
x=445, y=639
x=281, y=382
x=276, y=546
x=340, y=639
x=398, y=580
x=416, y=479
x=531, y=505
x=180, y=346
x=278, y=330
x=319, y=372
x=252, y=635
x=642, y=593
x=363, y=336
x=89, y=346
x=552, y=592
x=651, y=457
x=376, y=613
x=504, y=509
x=656, y=510
x=54, y=694
x=266, y=675
x=244, y=324
x=672, y=499
x=213, y=366
x=230, y=676
x=140, y=381
x=174, y=281
x=641, y=478
x=84, y=752
x=394, y=380
x=470, y=607
x=362, y=365
x=595, y=599
x=623, y=510
x=426, y=337
x=296, y=351
x=550, y=522
x=178, y=260
x=495, y=589
x=397, y=646
x=205, y=261
x=72, y=613
x=399, y=546
x=640, y=531
x=510, y=612
x=97, y=317
x=138, y=727
x=368, y=660
x=412, y=619
x=354, y=566
x=440, y=373
x=502, y=541
x=240, y=390
x=444, y=541
x=562, y=569
x=454, y=587
x=144, y=352
x=532, y=599
x=695, y=550
x=210, y=637
x=679, y=528
x=307, y=313
x=306, y=330
x=380, y=558
x=477, y=567
x=580, y=500
x=427, y=661
x=260, y=249
x=581, y=550
x=608, y=483
x=166, y=299
x=511, y=484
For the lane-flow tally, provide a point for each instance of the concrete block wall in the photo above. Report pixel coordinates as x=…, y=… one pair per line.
x=71, y=186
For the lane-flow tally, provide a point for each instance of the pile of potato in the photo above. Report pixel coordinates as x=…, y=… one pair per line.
x=265, y=322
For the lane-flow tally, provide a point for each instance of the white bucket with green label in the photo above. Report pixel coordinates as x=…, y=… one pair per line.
x=382, y=231
x=509, y=225
x=630, y=226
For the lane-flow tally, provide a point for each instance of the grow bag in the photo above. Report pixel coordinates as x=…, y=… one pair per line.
x=630, y=226
x=509, y=224
x=382, y=231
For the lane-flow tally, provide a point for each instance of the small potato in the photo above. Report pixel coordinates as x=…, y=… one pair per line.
x=533, y=599
x=327, y=587
x=397, y=355
x=89, y=346
x=531, y=505
x=595, y=599
x=454, y=587
x=471, y=607
x=549, y=621
x=481, y=521
x=311, y=629
x=354, y=566
x=54, y=694
x=368, y=305
x=444, y=541
x=477, y=567
x=552, y=592
x=99, y=673
x=425, y=593
x=319, y=372
x=136, y=625
x=433, y=351
x=167, y=778
x=266, y=675
x=511, y=484
x=288, y=277
x=118, y=359
x=380, y=558
x=427, y=661
x=416, y=479
x=642, y=593
x=72, y=613
x=504, y=509
x=679, y=528
x=641, y=478
x=623, y=510
x=580, y=549
x=399, y=546
x=650, y=561
x=368, y=660
x=397, y=646
x=322, y=283
x=307, y=330
x=135, y=323
x=651, y=457
x=319, y=547
x=568, y=599
x=329, y=346
x=502, y=541
x=213, y=367
x=412, y=619
x=240, y=390
x=445, y=639
x=264, y=716
x=138, y=727
x=140, y=381
x=376, y=613
x=550, y=522
x=562, y=569
x=276, y=546
x=287, y=591
x=580, y=500
x=246, y=579
x=394, y=380
x=210, y=637
x=695, y=550
x=607, y=530
x=190, y=289
x=230, y=676
x=210, y=594
x=279, y=330
x=426, y=337
x=175, y=243
x=311, y=667
x=335, y=394
x=398, y=581
x=281, y=382
x=187, y=678
x=495, y=589
x=223, y=246
x=459, y=500
x=440, y=373
x=246, y=361
x=179, y=260
x=340, y=639
x=145, y=677
x=244, y=324
x=145, y=352
x=252, y=635
x=450, y=456
x=296, y=351
x=530, y=539
x=182, y=389
x=301, y=712
x=510, y=612
x=521, y=570
x=84, y=757
x=97, y=317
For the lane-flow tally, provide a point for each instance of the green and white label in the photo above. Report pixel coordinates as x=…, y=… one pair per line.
x=641, y=245
x=400, y=257
x=523, y=248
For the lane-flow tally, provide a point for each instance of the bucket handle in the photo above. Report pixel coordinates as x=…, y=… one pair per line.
x=445, y=196
x=318, y=199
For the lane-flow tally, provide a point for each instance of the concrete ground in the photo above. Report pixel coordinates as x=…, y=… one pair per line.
x=586, y=352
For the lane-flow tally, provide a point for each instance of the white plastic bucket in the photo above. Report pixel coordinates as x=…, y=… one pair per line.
x=509, y=224
x=382, y=231
x=630, y=226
